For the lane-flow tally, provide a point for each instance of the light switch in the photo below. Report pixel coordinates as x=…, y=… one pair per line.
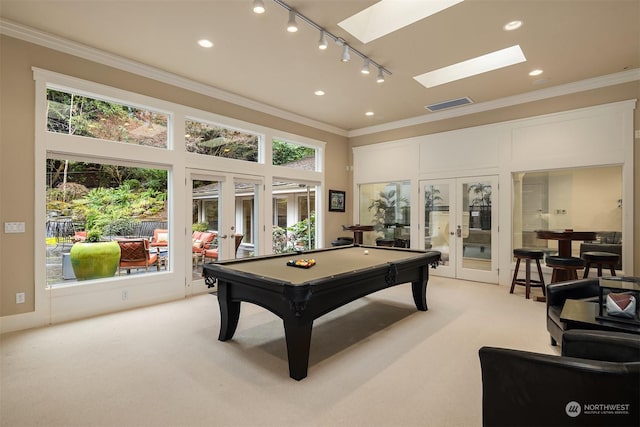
x=14, y=227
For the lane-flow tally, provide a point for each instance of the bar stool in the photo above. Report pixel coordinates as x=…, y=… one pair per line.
x=564, y=268
x=527, y=255
x=600, y=258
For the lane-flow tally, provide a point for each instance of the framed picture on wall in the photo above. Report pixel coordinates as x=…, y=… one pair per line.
x=336, y=201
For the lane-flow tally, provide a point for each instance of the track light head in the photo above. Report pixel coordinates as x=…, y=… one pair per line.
x=380, y=78
x=292, y=27
x=258, y=6
x=365, y=67
x=322, y=43
x=346, y=57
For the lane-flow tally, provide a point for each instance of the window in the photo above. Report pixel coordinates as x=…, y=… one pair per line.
x=73, y=114
x=583, y=199
x=294, y=206
x=218, y=141
x=205, y=199
x=280, y=212
x=292, y=155
x=103, y=202
x=105, y=141
x=387, y=207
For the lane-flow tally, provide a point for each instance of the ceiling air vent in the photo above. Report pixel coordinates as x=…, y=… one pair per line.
x=449, y=104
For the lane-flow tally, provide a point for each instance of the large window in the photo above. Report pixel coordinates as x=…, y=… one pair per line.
x=294, y=207
x=74, y=114
x=102, y=202
x=111, y=166
x=387, y=207
x=219, y=141
x=292, y=155
x=582, y=199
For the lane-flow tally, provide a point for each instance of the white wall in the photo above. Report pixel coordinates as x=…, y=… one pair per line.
x=595, y=136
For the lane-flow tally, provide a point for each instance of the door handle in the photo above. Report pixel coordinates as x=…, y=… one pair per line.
x=224, y=236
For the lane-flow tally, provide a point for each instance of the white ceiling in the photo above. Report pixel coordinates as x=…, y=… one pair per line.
x=255, y=57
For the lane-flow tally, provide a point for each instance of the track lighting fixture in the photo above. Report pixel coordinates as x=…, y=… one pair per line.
x=258, y=6
x=292, y=27
x=346, y=57
x=322, y=43
x=365, y=67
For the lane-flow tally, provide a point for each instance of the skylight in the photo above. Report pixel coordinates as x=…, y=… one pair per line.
x=471, y=67
x=387, y=16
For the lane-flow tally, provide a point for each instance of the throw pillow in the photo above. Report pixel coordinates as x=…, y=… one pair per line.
x=622, y=305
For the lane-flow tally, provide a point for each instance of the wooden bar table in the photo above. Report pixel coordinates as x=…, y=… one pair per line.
x=357, y=231
x=564, y=238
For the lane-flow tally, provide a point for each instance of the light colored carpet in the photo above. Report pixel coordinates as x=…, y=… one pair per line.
x=374, y=362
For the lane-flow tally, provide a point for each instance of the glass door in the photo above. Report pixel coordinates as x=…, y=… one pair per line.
x=459, y=222
x=438, y=230
x=205, y=192
x=243, y=235
x=224, y=221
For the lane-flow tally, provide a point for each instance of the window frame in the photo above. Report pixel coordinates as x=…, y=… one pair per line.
x=61, y=303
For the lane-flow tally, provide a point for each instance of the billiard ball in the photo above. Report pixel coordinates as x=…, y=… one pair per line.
x=366, y=252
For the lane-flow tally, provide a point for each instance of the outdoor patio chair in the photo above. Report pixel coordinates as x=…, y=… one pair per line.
x=202, y=240
x=160, y=237
x=135, y=253
x=212, y=254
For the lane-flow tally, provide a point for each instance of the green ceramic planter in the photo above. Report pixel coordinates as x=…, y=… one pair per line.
x=95, y=260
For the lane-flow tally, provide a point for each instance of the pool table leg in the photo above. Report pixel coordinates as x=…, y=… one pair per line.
x=419, y=290
x=298, y=338
x=229, y=312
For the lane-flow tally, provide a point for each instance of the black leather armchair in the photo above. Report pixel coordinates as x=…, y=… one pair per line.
x=521, y=388
x=558, y=293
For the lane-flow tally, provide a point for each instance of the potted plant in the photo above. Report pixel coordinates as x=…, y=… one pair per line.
x=384, y=211
x=93, y=259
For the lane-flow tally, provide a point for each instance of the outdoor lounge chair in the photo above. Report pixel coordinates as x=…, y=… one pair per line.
x=212, y=254
x=160, y=237
x=135, y=253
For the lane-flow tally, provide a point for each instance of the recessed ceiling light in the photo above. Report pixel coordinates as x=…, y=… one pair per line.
x=319, y=92
x=205, y=43
x=387, y=16
x=369, y=113
x=535, y=73
x=471, y=67
x=513, y=25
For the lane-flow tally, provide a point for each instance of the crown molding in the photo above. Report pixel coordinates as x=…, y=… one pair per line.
x=31, y=35
x=566, y=89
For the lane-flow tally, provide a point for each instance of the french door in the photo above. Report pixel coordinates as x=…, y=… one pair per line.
x=227, y=205
x=460, y=220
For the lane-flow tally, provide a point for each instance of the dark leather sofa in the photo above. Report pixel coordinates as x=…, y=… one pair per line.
x=596, y=382
x=558, y=293
x=606, y=241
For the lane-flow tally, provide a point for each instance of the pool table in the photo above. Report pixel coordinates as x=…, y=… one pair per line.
x=300, y=295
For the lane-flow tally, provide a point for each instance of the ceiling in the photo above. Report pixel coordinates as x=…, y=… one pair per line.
x=255, y=57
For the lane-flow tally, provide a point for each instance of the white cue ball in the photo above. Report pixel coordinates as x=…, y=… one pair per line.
x=366, y=252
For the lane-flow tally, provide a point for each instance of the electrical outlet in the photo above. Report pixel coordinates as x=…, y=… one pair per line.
x=125, y=295
x=20, y=296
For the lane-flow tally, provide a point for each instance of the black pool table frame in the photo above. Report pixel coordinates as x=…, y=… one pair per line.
x=299, y=305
